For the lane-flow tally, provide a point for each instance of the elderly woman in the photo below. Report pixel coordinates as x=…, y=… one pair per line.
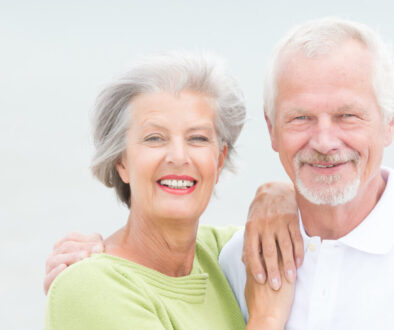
x=163, y=133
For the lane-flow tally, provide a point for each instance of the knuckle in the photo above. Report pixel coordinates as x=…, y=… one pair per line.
x=269, y=250
x=288, y=264
x=250, y=226
x=286, y=246
x=97, y=237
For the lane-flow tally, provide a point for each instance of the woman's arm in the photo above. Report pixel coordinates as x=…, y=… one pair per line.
x=268, y=309
x=272, y=222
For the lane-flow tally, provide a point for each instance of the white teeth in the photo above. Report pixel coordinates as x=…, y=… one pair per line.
x=177, y=184
x=322, y=166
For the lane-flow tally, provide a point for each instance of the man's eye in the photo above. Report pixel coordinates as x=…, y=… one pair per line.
x=301, y=118
x=348, y=115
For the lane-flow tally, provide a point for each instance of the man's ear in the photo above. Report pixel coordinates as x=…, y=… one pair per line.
x=123, y=170
x=271, y=129
x=389, y=133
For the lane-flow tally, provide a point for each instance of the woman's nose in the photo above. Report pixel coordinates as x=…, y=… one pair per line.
x=177, y=153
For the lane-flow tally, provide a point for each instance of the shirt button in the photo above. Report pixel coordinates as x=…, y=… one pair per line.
x=311, y=247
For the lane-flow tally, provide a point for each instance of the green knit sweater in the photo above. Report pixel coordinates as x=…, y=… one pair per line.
x=107, y=292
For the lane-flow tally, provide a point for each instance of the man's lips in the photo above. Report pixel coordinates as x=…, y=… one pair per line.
x=326, y=164
x=327, y=167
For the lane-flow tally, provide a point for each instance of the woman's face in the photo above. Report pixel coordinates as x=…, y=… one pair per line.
x=172, y=161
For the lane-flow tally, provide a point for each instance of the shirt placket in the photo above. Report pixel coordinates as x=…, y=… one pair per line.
x=327, y=276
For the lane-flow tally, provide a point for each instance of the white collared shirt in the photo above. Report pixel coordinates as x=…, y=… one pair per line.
x=343, y=284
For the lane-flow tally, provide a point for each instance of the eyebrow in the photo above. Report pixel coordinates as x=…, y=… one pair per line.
x=295, y=112
x=353, y=107
x=201, y=128
x=193, y=128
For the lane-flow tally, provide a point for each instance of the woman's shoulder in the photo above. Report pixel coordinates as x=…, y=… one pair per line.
x=90, y=294
x=84, y=274
x=214, y=237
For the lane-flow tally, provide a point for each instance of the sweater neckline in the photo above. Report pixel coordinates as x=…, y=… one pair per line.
x=190, y=288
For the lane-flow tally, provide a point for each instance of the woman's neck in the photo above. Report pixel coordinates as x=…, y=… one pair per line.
x=165, y=245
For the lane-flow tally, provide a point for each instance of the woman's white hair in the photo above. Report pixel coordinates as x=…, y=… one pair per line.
x=319, y=37
x=171, y=72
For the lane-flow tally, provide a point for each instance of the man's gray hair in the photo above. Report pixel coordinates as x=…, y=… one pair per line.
x=320, y=37
x=170, y=72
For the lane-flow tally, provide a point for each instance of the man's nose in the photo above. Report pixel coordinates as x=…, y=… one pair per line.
x=325, y=137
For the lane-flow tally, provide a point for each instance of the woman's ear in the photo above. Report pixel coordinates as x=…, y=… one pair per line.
x=221, y=160
x=123, y=171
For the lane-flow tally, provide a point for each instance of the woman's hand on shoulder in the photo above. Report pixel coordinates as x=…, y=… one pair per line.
x=71, y=248
x=273, y=226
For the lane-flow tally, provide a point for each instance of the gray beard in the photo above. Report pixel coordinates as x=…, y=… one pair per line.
x=327, y=194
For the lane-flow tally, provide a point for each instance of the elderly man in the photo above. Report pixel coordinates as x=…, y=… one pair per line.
x=329, y=102
x=329, y=105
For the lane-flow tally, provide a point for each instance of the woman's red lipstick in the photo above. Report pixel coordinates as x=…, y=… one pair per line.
x=177, y=184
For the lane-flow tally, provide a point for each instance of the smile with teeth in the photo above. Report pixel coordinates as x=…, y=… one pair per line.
x=327, y=165
x=177, y=184
x=324, y=166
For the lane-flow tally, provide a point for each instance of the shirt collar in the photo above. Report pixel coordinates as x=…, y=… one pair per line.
x=375, y=234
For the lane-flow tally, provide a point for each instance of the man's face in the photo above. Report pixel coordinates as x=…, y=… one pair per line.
x=328, y=130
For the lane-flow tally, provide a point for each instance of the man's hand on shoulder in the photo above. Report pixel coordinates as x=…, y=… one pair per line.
x=272, y=229
x=71, y=248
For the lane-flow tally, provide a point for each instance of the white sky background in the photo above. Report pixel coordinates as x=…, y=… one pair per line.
x=55, y=56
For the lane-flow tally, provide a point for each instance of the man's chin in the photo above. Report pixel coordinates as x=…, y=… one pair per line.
x=327, y=193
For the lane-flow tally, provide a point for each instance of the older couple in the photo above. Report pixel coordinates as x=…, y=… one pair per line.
x=329, y=105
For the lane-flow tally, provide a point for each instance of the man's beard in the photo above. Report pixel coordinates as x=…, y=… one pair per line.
x=327, y=192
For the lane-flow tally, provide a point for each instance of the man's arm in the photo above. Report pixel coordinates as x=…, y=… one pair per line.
x=272, y=228
x=71, y=248
x=272, y=222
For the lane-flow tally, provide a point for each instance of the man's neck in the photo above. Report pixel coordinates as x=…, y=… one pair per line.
x=334, y=222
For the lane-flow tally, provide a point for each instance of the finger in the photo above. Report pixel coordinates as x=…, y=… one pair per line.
x=270, y=256
x=68, y=259
x=72, y=246
x=52, y=275
x=298, y=243
x=78, y=237
x=286, y=252
x=251, y=255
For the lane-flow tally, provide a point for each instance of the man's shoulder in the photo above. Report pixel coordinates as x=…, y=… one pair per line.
x=214, y=238
x=233, y=247
x=230, y=260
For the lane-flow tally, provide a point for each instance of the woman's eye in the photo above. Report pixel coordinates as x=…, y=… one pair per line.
x=199, y=138
x=153, y=138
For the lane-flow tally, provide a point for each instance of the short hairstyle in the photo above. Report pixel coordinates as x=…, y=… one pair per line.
x=319, y=37
x=170, y=72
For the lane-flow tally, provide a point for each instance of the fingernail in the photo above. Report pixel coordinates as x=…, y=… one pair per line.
x=290, y=275
x=97, y=249
x=275, y=283
x=298, y=262
x=260, y=278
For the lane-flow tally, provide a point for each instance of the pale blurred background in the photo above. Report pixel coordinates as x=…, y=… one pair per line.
x=55, y=56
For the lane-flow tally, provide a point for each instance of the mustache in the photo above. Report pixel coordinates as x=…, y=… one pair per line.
x=313, y=156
